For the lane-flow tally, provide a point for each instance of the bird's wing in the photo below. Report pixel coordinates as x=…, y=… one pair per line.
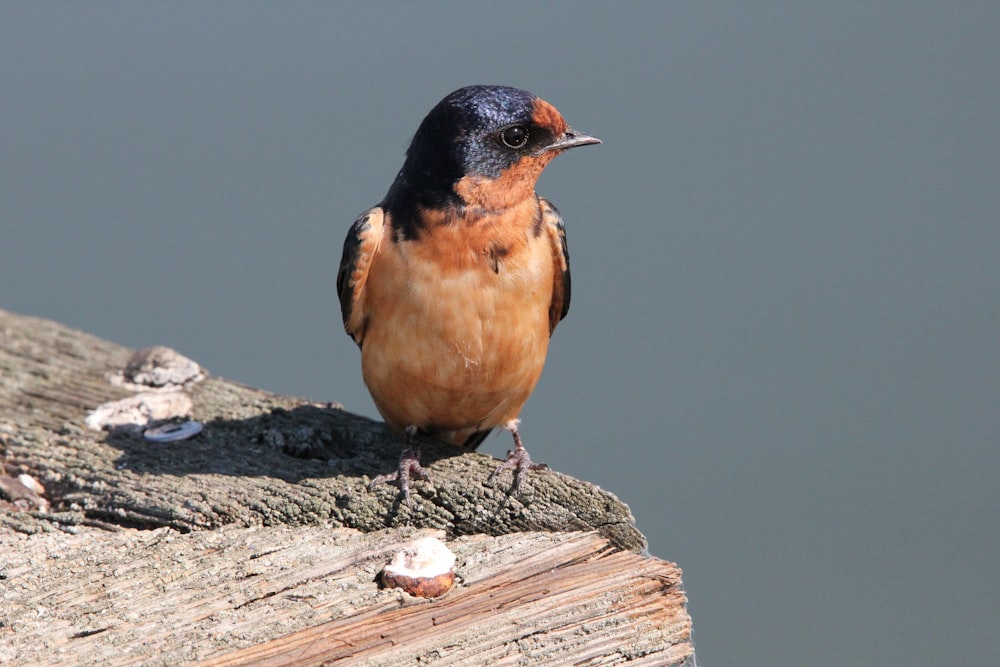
x=553, y=224
x=360, y=246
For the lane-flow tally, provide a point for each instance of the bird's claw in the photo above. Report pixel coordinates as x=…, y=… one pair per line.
x=409, y=468
x=520, y=461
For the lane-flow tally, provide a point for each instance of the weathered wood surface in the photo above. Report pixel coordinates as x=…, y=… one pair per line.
x=162, y=598
x=239, y=469
x=227, y=548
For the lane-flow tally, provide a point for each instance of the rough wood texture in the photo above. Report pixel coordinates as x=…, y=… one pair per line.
x=113, y=563
x=239, y=469
x=160, y=598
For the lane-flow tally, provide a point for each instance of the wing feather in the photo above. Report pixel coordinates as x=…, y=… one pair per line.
x=360, y=247
x=555, y=228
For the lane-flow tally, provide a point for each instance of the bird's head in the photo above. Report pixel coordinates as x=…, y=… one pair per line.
x=485, y=146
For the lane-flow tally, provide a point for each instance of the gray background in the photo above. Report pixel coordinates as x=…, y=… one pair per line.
x=784, y=345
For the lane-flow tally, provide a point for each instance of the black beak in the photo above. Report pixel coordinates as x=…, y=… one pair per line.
x=571, y=139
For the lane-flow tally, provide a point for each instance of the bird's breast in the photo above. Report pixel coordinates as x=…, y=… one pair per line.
x=458, y=323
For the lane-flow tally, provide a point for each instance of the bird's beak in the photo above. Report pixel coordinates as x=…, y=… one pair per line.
x=571, y=139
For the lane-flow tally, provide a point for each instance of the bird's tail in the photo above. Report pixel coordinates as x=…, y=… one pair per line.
x=476, y=439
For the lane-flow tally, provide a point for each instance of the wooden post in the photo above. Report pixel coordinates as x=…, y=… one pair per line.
x=257, y=541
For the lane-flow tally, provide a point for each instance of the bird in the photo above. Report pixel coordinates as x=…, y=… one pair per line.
x=454, y=283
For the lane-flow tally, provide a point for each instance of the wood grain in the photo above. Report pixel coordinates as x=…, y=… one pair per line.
x=308, y=595
x=257, y=542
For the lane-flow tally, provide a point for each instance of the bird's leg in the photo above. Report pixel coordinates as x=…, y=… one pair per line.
x=409, y=466
x=517, y=458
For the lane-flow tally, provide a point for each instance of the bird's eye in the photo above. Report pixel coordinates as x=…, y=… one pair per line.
x=514, y=137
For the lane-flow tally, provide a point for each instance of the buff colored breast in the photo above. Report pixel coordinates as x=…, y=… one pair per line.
x=458, y=325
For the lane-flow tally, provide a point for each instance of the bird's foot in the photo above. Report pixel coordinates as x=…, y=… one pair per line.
x=519, y=460
x=409, y=468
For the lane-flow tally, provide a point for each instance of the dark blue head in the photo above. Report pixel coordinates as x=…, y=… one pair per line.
x=482, y=132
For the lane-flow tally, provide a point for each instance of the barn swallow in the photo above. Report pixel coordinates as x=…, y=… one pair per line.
x=454, y=283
